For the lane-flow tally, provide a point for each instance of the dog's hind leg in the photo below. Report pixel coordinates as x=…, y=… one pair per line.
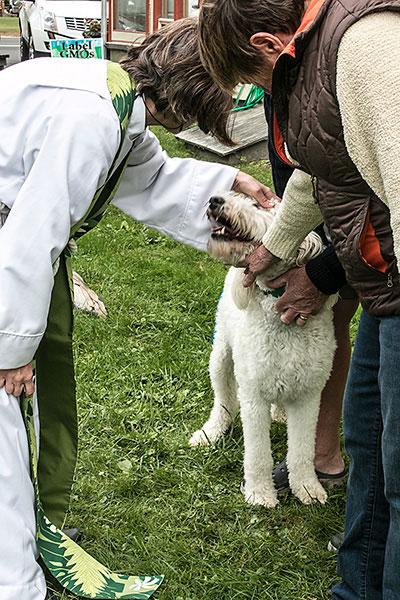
x=302, y=416
x=225, y=395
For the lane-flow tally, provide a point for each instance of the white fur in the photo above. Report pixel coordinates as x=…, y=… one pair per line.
x=257, y=361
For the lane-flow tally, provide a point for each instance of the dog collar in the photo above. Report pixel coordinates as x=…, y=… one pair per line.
x=276, y=293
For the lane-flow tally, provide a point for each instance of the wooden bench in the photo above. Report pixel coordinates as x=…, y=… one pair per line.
x=249, y=131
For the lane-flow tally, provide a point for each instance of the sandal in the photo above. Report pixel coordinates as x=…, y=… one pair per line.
x=280, y=475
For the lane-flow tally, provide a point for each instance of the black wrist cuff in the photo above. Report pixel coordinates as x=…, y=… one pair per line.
x=326, y=272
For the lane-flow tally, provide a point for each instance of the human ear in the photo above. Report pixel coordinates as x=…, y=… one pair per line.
x=269, y=45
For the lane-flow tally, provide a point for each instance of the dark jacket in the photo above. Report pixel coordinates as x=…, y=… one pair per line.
x=308, y=119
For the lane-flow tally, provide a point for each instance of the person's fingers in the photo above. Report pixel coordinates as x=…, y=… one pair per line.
x=9, y=387
x=266, y=197
x=246, y=184
x=265, y=202
x=257, y=262
x=283, y=302
x=289, y=316
x=18, y=389
x=29, y=387
x=2, y=381
x=249, y=279
x=301, y=320
x=17, y=386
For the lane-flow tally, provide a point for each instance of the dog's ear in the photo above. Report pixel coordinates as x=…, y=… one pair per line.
x=241, y=295
x=310, y=247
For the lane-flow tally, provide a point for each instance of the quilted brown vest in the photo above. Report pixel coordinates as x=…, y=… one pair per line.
x=307, y=115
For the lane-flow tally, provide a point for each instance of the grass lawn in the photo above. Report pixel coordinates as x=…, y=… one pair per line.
x=148, y=503
x=9, y=26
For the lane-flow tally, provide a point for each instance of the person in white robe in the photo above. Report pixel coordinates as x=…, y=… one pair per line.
x=59, y=136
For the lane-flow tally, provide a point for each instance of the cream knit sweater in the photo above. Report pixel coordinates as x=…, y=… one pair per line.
x=368, y=90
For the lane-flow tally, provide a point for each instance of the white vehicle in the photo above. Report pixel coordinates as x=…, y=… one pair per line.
x=45, y=20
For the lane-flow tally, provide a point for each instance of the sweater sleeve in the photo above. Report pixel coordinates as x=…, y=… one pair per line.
x=368, y=84
x=299, y=214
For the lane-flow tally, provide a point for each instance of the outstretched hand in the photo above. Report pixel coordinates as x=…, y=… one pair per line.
x=246, y=184
x=18, y=380
x=301, y=298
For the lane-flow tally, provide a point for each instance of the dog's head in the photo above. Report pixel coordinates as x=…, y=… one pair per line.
x=238, y=225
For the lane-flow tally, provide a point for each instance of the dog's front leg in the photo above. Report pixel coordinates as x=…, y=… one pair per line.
x=302, y=416
x=258, y=485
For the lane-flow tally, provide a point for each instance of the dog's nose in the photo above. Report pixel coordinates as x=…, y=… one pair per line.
x=215, y=202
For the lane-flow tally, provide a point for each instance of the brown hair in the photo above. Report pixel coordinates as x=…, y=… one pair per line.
x=167, y=68
x=225, y=29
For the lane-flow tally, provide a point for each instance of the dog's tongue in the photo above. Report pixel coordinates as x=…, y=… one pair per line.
x=216, y=228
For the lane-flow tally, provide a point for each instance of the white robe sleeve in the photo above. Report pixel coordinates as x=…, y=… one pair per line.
x=66, y=159
x=171, y=194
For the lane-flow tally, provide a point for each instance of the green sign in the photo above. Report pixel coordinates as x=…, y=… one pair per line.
x=86, y=48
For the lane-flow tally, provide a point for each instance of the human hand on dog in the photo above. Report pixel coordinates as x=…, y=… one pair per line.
x=256, y=263
x=300, y=299
x=246, y=184
x=18, y=380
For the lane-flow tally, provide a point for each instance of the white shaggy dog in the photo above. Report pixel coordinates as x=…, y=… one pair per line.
x=258, y=361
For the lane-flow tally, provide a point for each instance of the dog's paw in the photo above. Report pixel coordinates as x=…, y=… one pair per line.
x=263, y=497
x=210, y=433
x=310, y=493
x=199, y=438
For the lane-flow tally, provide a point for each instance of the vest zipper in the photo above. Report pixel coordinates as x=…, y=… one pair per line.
x=314, y=182
x=389, y=280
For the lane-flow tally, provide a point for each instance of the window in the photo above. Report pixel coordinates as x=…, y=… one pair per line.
x=131, y=15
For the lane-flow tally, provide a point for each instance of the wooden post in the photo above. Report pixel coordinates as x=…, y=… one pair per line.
x=2, y=8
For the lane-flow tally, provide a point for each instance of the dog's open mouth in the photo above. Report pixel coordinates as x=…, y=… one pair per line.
x=222, y=229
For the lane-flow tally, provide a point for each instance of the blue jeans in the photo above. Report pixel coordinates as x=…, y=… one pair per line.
x=369, y=559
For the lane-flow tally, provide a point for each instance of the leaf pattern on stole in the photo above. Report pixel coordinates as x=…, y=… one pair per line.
x=74, y=568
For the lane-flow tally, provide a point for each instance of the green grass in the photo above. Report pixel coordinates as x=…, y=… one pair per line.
x=148, y=503
x=9, y=26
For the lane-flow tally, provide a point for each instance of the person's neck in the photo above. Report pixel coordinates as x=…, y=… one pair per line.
x=286, y=38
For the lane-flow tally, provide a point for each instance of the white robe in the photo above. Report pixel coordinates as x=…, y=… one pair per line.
x=59, y=134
